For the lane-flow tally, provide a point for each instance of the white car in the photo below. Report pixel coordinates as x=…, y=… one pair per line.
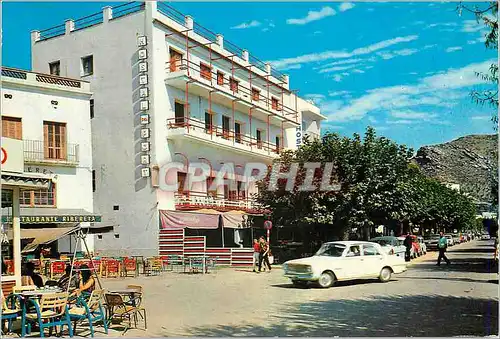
x=449, y=240
x=391, y=245
x=485, y=236
x=344, y=260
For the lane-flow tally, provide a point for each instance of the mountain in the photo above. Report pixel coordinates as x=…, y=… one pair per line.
x=470, y=161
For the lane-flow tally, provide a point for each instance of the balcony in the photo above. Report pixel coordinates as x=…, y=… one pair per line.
x=218, y=137
x=191, y=77
x=185, y=201
x=35, y=152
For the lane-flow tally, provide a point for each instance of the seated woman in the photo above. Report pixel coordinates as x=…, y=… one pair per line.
x=29, y=277
x=87, y=282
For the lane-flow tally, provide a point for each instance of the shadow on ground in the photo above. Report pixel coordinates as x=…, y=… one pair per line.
x=338, y=284
x=420, y=315
x=452, y=279
x=471, y=265
x=473, y=250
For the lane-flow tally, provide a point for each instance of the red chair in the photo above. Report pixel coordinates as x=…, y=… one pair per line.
x=57, y=268
x=165, y=262
x=130, y=265
x=10, y=266
x=112, y=268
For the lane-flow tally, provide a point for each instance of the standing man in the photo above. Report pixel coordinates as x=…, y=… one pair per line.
x=256, y=254
x=408, y=244
x=264, y=254
x=442, y=245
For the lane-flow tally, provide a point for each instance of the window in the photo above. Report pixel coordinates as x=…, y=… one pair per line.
x=45, y=197
x=211, y=191
x=181, y=181
x=259, y=138
x=278, y=144
x=304, y=126
x=88, y=65
x=55, y=68
x=220, y=78
x=370, y=250
x=225, y=127
x=255, y=94
x=179, y=113
x=175, y=60
x=208, y=122
x=233, y=84
x=91, y=108
x=93, y=181
x=54, y=134
x=241, y=190
x=205, y=71
x=353, y=251
x=275, y=103
x=12, y=128
x=331, y=250
x=237, y=132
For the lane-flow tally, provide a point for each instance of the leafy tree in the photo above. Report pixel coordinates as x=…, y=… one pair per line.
x=489, y=16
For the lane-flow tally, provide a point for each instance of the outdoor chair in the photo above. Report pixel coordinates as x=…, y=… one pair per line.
x=176, y=261
x=10, y=310
x=117, y=309
x=51, y=311
x=212, y=264
x=57, y=268
x=91, y=310
x=130, y=266
x=154, y=266
x=112, y=268
x=137, y=299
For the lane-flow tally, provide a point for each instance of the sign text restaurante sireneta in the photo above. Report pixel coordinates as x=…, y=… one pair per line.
x=55, y=219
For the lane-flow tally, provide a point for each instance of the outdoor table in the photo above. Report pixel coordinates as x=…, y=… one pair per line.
x=33, y=295
x=130, y=292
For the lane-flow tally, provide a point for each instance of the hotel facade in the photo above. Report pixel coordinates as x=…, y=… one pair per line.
x=167, y=89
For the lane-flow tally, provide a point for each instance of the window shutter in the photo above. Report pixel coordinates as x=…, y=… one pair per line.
x=64, y=155
x=45, y=140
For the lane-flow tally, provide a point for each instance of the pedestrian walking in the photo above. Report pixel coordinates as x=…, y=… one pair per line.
x=408, y=244
x=256, y=254
x=442, y=245
x=264, y=254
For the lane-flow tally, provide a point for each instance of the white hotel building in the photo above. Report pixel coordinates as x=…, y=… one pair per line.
x=167, y=89
x=46, y=162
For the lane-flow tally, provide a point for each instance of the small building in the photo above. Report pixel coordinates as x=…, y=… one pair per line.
x=166, y=89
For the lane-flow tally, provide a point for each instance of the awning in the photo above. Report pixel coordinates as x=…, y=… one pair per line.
x=43, y=236
x=234, y=219
x=179, y=220
x=28, y=181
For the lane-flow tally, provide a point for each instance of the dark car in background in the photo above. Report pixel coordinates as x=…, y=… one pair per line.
x=431, y=242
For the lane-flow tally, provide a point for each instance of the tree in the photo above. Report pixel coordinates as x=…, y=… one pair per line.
x=489, y=16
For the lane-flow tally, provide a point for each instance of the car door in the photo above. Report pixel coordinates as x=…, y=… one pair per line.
x=351, y=263
x=372, y=260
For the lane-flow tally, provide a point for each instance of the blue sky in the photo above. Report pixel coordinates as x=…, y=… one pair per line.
x=404, y=68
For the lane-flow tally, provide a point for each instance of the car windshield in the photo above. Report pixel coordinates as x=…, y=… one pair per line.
x=383, y=242
x=331, y=250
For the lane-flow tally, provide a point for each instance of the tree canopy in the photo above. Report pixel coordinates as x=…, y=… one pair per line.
x=379, y=185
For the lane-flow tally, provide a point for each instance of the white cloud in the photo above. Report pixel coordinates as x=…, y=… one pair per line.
x=400, y=122
x=409, y=114
x=472, y=42
x=327, y=55
x=481, y=118
x=345, y=6
x=317, y=98
x=406, y=52
x=245, y=25
x=337, y=77
x=313, y=16
x=358, y=71
x=338, y=93
x=437, y=90
x=453, y=49
x=336, y=69
x=429, y=46
x=442, y=24
x=471, y=26
x=296, y=66
x=346, y=61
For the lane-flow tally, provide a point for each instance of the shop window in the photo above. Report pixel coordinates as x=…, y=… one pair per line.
x=35, y=198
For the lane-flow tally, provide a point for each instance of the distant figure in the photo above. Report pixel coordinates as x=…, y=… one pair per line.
x=408, y=244
x=264, y=254
x=29, y=277
x=442, y=245
x=64, y=280
x=256, y=253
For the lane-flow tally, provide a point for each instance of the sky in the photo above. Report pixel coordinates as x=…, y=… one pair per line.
x=407, y=69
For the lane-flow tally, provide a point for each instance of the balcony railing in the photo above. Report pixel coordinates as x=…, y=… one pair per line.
x=210, y=78
x=197, y=200
x=35, y=151
x=217, y=132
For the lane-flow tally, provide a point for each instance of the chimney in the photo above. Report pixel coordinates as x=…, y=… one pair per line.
x=35, y=36
x=268, y=68
x=107, y=14
x=70, y=25
x=244, y=55
x=286, y=80
x=220, y=40
x=188, y=22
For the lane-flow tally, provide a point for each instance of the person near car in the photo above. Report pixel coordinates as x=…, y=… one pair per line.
x=256, y=254
x=408, y=244
x=442, y=245
x=264, y=254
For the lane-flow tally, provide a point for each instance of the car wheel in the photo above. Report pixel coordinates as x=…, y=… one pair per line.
x=299, y=283
x=326, y=279
x=385, y=274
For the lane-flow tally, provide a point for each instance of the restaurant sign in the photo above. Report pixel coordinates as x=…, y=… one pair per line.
x=48, y=219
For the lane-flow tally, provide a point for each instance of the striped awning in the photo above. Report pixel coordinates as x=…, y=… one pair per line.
x=28, y=181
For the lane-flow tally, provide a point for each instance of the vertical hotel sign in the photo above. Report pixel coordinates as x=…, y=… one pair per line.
x=142, y=43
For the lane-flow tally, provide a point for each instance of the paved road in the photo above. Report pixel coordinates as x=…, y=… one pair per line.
x=460, y=299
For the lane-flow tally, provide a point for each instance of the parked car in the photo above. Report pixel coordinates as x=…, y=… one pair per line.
x=456, y=239
x=423, y=246
x=431, y=242
x=344, y=260
x=485, y=236
x=450, y=240
x=391, y=245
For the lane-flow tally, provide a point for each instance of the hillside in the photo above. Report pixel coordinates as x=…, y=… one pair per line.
x=469, y=161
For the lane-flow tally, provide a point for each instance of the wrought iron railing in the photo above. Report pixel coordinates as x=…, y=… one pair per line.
x=127, y=8
x=13, y=73
x=199, y=200
x=88, y=21
x=36, y=151
x=53, y=32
